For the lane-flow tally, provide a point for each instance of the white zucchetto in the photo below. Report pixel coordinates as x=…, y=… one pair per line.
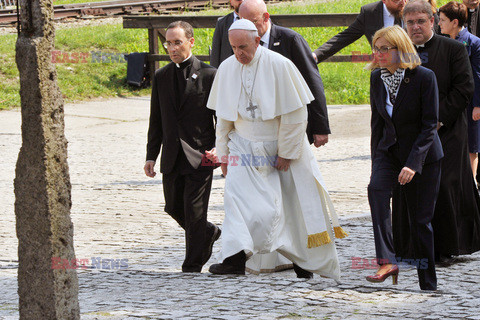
x=243, y=24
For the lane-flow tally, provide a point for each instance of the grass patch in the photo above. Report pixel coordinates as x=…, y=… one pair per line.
x=58, y=2
x=345, y=83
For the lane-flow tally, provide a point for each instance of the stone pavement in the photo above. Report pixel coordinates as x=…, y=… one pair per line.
x=118, y=214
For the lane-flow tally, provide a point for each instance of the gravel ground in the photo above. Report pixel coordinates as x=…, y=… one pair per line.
x=118, y=214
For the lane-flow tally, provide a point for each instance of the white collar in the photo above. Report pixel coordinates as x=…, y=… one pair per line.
x=235, y=16
x=257, y=55
x=266, y=37
x=178, y=65
x=423, y=44
x=386, y=12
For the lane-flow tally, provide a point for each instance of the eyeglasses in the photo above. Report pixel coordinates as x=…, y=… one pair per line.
x=176, y=43
x=382, y=49
x=419, y=22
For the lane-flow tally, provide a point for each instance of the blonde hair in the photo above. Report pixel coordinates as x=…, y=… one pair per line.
x=408, y=56
x=433, y=3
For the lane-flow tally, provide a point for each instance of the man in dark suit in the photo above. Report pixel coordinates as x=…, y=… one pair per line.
x=182, y=125
x=293, y=46
x=456, y=222
x=221, y=48
x=473, y=21
x=373, y=17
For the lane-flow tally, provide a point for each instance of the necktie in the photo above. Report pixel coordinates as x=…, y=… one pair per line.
x=262, y=43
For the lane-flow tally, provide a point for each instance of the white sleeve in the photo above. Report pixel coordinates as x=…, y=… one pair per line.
x=223, y=129
x=292, y=133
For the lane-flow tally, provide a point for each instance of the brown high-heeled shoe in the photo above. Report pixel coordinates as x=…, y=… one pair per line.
x=384, y=272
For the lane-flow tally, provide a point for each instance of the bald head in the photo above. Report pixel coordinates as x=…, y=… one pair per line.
x=256, y=11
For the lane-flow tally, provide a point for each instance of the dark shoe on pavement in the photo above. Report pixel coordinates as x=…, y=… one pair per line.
x=191, y=269
x=208, y=251
x=302, y=273
x=221, y=268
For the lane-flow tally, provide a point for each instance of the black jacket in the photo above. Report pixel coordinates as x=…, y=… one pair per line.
x=192, y=121
x=368, y=21
x=221, y=48
x=413, y=125
x=293, y=46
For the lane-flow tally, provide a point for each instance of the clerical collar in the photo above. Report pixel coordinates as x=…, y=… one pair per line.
x=266, y=37
x=185, y=62
x=423, y=45
x=472, y=10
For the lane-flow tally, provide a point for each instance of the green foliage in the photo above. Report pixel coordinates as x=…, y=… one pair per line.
x=345, y=83
x=9, y=84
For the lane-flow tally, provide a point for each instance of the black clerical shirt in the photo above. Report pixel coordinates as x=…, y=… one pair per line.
x=182, y=70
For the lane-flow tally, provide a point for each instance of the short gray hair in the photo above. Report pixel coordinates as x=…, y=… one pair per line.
x=251, y=33
x=418, y=6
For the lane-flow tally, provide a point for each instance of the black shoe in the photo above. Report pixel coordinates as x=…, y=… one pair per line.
x=208, y=251
x=443, y=259
x=221, y=268
x=302, y=273
x=191, y=269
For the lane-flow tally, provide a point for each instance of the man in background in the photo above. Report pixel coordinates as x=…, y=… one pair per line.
x=221, y=48
x=473, y=23
x=373, y=17
x=293, y=46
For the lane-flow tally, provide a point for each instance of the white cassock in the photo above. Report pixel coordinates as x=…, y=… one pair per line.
x=268, y=211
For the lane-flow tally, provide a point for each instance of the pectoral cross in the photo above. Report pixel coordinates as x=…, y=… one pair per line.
x=251, y=108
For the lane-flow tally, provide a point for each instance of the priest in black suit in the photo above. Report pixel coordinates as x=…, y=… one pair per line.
x=456, y=222
x=473, y=26
x=293, y=46
x=221, y=48
x=473, y=21
x=373, y=17
x=183, y=127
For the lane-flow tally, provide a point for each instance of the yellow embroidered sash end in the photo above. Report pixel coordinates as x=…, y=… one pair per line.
x=317, y=239
x=340, y=233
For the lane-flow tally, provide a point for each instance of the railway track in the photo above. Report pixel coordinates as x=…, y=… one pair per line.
x=110, y=8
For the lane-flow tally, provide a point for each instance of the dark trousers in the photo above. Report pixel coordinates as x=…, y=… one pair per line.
x=187, y=192
x=420, y=195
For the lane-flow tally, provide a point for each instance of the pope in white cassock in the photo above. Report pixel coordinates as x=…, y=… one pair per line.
x=275, y=199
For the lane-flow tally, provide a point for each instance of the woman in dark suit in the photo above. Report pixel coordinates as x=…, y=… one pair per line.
x=406, y=150
x=453, y=16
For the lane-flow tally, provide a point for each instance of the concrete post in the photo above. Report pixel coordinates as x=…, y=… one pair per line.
x=42, y=182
